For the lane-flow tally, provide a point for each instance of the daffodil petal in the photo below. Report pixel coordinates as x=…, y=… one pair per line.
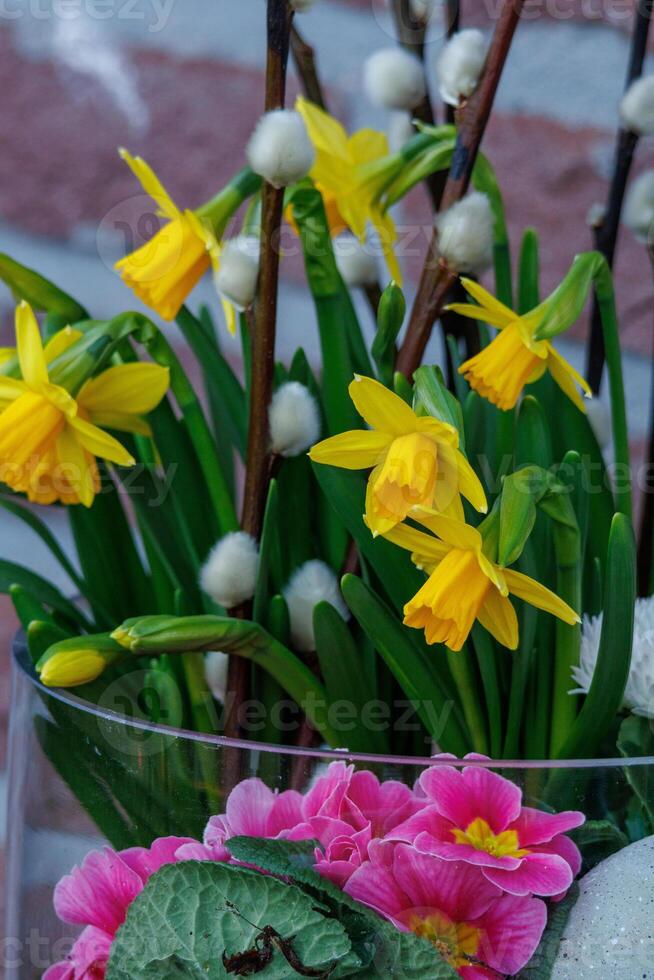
x=30, y=347
x=326, y=133
x=479, y=313
x=367, y=145
x=100, y=443
x=487, y=300
x=74, y=466
x=134, y=389
x=537, y=595
x=6, y=354
x=229, y=312
x=555, y=358
x=387, y=232
x=356, y=450
x=11, y=388
x=442, y=432
x=417, y=542
x=60, y=343
x=381, y=408
x=151, y=184
x=498, y=616
x=470, y=484
x=122, y=422
x=452, y=532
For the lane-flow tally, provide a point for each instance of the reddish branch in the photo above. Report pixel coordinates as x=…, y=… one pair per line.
x=437, y=279
x=257, y=474
x=305, y=63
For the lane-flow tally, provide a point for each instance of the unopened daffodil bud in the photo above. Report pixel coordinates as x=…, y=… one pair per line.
x=78, y=660
x=238, y=270
x=356, y=262
x=638, y=213
x=395, y=79
x=460, y=65
x=310, y=584
x=465, y=234
x=294, y=419
x=637, y=107
x=229, y=574
x=280, y=150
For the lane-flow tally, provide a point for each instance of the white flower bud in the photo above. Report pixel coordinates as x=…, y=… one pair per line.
x=302, y=5
x=466, y=234
x=638, y=213
x=294, y=420
x=310, y=584
x=400, y=130
x=355, y=262
x=639, y=694
x=394, y=78
x=238, y=271
x=637, y=108
x=460, y=65
x=229, y=574
x=423, y=10
x=216, y=666
x=280, y=149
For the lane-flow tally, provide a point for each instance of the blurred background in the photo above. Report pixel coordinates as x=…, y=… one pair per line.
x=180, y=82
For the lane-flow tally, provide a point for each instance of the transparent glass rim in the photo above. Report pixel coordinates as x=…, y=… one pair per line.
x=22, y=662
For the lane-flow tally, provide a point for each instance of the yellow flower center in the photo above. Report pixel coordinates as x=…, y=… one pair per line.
x=479, y=835
x=501, y=370
x=407, y=477
x=457, y=942
x=449, y=601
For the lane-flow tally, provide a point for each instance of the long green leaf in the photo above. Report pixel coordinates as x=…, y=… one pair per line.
x=38, y=291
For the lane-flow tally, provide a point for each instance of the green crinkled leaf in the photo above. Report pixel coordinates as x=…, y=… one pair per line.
x=541, y=963
x=598, y=840
x=187, y=916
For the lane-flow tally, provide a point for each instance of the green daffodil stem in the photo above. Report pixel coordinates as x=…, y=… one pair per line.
x=462, y=669
x=567, y=551
x=257, y=474
x=436, y=280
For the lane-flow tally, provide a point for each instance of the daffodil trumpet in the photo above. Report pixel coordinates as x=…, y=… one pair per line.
x=163, y=272
x=49, y=439
x=514, y=358
x=415, y=460
x=464, y=585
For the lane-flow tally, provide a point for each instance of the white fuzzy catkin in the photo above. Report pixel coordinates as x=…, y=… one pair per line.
x=216, y=666
x=356, y=262
x=280, y=149
x=400, y=130
x=229, y=574
x=423, y=10
x=460, y=65
x=637, y=107
x=465, y=234
x=395, y=79
x=638, y=213
x=238, y=271
x=310, y=584
x=639, y=694
x=294, y=420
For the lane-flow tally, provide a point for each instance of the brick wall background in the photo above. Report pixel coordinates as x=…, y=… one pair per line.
x=180, y=82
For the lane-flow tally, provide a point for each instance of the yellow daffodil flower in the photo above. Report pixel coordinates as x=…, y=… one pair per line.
x=514, y=358
x=49, y=440
x=415, y=460
x=350, y=172
x=464, y=586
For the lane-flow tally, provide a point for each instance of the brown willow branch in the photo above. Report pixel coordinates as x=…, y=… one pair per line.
x=436, y=277
x=606, y=232
x=304, y=59
x=453, y=14
x=257, y=473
